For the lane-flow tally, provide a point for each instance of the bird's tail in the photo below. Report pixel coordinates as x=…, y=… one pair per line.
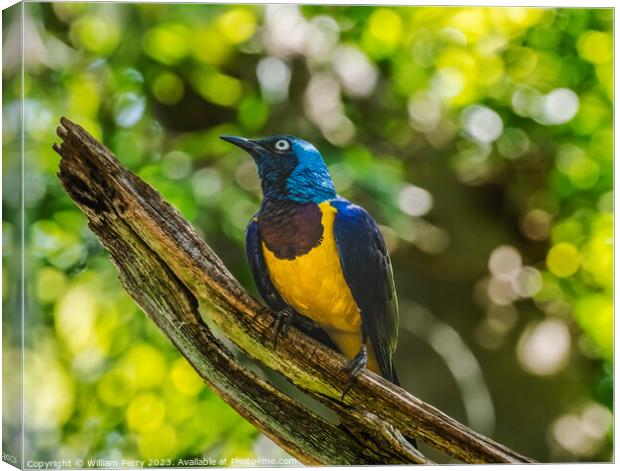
x=394, y=378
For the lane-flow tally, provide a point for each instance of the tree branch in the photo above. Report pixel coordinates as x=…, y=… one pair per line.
x=175, y=276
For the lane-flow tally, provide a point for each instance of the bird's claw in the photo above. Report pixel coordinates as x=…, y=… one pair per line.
x=353, y=369
x=280, y=325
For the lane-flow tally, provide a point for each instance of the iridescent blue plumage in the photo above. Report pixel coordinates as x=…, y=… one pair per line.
x=367, y=268
x=310, y=181
x=304, y=234
x=297, y=173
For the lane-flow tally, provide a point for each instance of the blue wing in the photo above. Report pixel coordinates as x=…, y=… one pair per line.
x=259, y=269
x=368, y=271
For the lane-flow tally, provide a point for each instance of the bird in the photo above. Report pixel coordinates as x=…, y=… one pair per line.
x=315, y=254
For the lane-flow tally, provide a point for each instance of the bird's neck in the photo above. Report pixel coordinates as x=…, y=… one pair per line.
x=306, y=185
x=301, y=183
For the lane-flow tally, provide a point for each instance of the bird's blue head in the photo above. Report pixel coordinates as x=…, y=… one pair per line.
x=289, y=168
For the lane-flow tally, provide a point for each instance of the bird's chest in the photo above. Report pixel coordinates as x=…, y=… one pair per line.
x=304, y=266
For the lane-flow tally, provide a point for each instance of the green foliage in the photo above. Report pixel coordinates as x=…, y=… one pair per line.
x=480, y=138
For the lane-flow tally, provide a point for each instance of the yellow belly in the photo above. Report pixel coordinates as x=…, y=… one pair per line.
x=314, y=285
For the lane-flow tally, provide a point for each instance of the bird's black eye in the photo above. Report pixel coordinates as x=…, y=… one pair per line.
x=282, y=145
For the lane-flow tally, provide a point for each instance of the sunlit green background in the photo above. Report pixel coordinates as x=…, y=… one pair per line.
x=479, y=138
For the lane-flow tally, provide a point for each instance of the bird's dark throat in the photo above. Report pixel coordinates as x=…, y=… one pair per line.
x=290, y=229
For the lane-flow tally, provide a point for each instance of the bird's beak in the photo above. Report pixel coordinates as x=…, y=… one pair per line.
x=246, y=144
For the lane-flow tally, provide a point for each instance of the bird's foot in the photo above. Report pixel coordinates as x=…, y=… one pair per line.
x=354, y=368
x=280, y=324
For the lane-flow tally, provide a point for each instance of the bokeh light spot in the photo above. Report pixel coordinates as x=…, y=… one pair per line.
x=526, y=101
x=584, y=172
x=500, y=290
x=448, y=82
x=96, y=34
x=482, y=123
x=129, y=108
x=237, y=25
x=520, y=63
x=145, y=412
x=168, y=88
x=559, y=106
x=544, y=347
x=505, y=260
x=115, y=388
x=596, y=47
x=536, y=224
x=208, y=47
x=176, y=165
x=386, y=26
x=206, y=182
x=168, y=43
x=527, y=282
x=356, y=72
x=513, y=143
x=569, y=434
x=597, y=420
x=582, y=434
x=185, y=378
x=274, y=77
x=415, y=201
x=424, y=110
x=563, y=259
x=145, y=365
x=75, y=317
x=218, y=88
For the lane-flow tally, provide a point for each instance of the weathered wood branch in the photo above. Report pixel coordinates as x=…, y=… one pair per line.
x=175, y=277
